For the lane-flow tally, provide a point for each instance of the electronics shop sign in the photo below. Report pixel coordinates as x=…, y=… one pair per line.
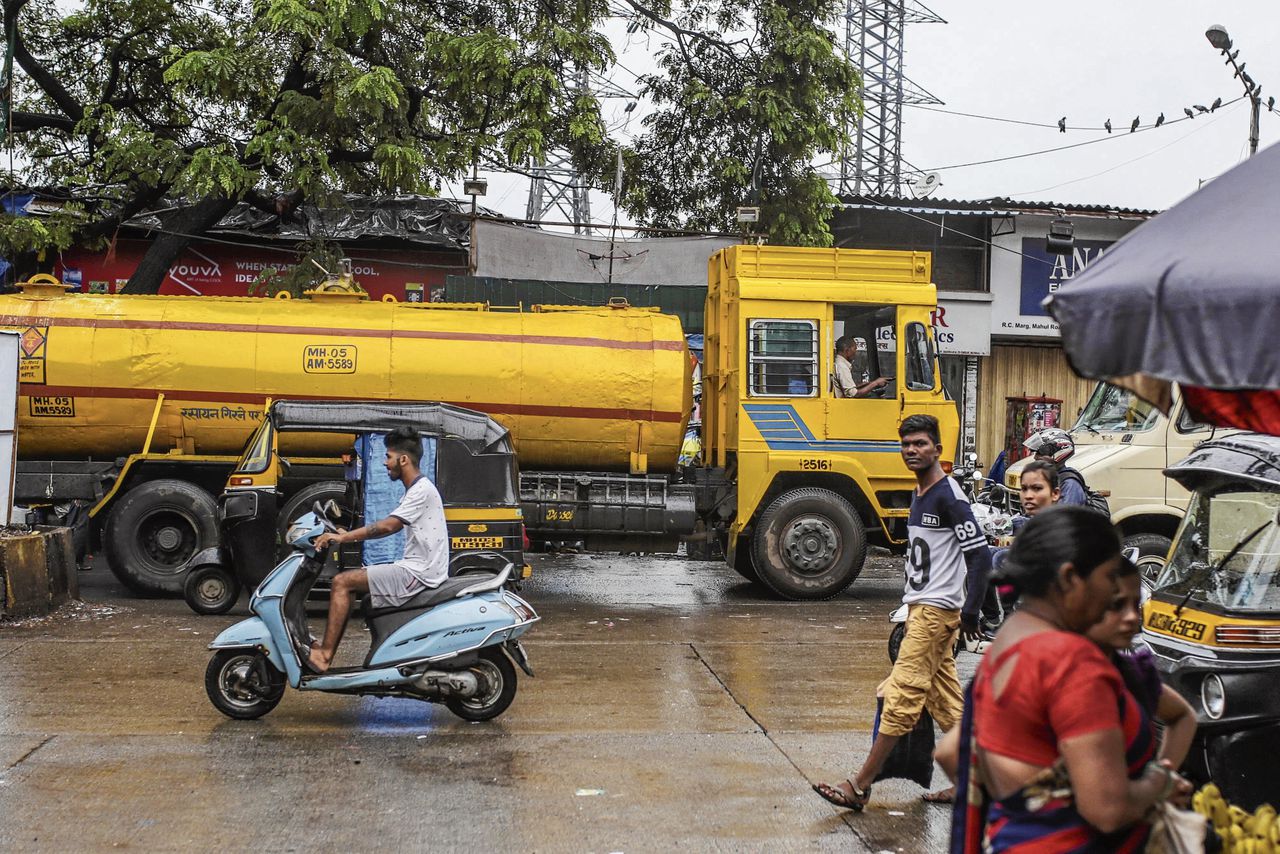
x=1043, y=274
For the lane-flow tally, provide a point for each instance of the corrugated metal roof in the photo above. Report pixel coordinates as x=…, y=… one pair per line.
x=996, y=206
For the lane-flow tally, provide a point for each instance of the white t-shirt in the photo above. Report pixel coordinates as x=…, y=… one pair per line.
x=426, y=541
x=845, y=384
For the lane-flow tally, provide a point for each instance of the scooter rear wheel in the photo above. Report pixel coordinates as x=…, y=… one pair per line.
x=235, y=685
x=497, y=690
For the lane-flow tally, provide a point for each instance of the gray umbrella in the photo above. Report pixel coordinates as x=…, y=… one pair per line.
x=1191, y=296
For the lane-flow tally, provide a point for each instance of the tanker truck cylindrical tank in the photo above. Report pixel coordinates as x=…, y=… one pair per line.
x=578, y=389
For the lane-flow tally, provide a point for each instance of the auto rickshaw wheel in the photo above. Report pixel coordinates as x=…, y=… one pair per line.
x=497, y=688
x=1153, y=551
x=237, y=686
x=211, y=590
x=302, y=502
x=154, y=529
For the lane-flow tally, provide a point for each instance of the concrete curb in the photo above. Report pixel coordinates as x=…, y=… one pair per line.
x=37, y=572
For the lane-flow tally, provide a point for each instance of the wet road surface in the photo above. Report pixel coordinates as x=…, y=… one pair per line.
x=675, y=705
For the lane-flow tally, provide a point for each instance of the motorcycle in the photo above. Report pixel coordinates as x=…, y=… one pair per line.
x=452, y=644
x=997, y=526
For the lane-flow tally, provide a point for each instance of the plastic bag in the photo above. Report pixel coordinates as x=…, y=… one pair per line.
x=912, y=757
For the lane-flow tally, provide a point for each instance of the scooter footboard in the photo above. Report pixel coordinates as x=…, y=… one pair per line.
x=249, y=633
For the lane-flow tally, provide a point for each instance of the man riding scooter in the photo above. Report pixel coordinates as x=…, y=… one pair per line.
x=425, y=563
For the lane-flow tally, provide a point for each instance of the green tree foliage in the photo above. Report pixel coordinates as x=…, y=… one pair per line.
x=751, y=94
x=278, y=101
x=132, y=104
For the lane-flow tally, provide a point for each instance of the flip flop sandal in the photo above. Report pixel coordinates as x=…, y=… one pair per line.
x=938, y=798
x=838, y=798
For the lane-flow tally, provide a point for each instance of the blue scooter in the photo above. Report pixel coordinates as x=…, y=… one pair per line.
x=452, y=644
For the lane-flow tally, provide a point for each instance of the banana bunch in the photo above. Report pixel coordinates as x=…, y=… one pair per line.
x=1241, y=832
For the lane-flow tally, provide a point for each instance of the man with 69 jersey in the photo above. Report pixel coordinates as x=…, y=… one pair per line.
x=947, y=568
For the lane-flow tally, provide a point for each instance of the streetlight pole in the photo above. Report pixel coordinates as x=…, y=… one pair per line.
x=1217, y=36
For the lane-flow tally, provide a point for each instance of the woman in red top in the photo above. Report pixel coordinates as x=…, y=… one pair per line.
x=1053, y=754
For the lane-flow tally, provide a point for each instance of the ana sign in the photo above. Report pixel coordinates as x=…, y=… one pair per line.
x=1043, y=274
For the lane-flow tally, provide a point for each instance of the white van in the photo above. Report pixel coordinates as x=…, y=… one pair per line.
x=1123, y=446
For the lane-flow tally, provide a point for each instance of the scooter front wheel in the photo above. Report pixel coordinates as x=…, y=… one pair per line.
x=242, y=684
x=497, y=688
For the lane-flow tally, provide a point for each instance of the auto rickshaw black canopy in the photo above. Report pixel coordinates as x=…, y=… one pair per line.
x=480, y=433
x=1241, y=456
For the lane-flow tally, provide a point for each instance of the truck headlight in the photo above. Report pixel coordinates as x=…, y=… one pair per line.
x=1213, y=696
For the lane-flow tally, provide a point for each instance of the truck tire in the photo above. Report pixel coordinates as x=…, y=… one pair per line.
x=809, y=544
x=154, y=529
x=1153, y=549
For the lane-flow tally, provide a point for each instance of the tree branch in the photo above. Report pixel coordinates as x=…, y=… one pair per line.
x=64, y=100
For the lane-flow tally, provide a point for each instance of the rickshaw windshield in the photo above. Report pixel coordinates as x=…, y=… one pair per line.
x=1117, y=410
x=1216, y=523
x=257, y=453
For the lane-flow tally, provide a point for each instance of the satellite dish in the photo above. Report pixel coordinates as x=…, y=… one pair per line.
x=925, y=184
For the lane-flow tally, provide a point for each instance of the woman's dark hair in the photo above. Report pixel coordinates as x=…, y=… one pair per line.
x=1047, y=470
x=1061, y=534
x=405, y=441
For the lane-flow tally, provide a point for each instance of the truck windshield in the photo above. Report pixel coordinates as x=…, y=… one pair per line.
x=1216, y=523
x=257, y=453
x=1114, y=409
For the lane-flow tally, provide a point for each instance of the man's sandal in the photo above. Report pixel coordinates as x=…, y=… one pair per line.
x=838, y=797
x=945, y=796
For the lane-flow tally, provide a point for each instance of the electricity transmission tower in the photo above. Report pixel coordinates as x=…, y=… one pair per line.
x=555, y=185
x=873, y=42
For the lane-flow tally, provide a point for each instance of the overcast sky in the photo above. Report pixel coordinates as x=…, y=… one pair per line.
x=1089, y=60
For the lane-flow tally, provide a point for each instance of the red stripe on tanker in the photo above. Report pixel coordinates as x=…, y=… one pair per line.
x=577, y=389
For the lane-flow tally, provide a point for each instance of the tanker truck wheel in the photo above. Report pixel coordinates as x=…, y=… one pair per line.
x=809, y=544
x=154, y=529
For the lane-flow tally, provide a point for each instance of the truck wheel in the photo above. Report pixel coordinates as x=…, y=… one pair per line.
x=303, y=501
x=154, y=529
x=1153, y=549
x=809, y=544
x=743, y=563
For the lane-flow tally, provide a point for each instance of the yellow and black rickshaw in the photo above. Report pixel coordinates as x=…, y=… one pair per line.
x=290, y=463
x=1213, y=617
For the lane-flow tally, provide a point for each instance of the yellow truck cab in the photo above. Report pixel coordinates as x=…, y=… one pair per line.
x=1123, y=446
x=809, y=478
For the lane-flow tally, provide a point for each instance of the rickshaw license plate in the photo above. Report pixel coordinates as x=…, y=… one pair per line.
x=1172, y=625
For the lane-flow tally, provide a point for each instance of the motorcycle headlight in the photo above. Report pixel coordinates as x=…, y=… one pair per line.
x=295, y=533
x=1213, y=695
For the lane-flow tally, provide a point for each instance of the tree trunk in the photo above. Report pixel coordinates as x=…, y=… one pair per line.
x=179, y=230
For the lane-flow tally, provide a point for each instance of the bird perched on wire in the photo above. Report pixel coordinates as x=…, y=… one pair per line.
x=1190, y=114
x=1134, y=124
x=1201, y=108
x=1271, y=102
x=1107, y=125
x=1159, y=120
x=1062, y=124
x=1217, y=102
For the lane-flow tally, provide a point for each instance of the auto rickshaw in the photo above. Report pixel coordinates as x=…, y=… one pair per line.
x=467, y=455
x=1213, y=617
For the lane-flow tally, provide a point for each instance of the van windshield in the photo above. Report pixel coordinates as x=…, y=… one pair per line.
x=1113, y=409
x=1216, y=523
x=257, y=453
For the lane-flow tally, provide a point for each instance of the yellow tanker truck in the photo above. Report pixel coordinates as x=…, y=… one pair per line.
x=137, y=406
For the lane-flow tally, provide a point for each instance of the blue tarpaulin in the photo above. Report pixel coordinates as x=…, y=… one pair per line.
x=382, y=494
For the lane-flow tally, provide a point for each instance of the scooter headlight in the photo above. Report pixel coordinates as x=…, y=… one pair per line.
x=295, y=533
x=1213, y=695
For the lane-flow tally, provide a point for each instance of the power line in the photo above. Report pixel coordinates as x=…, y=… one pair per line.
x=1119, y=165
x=1106, y=138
